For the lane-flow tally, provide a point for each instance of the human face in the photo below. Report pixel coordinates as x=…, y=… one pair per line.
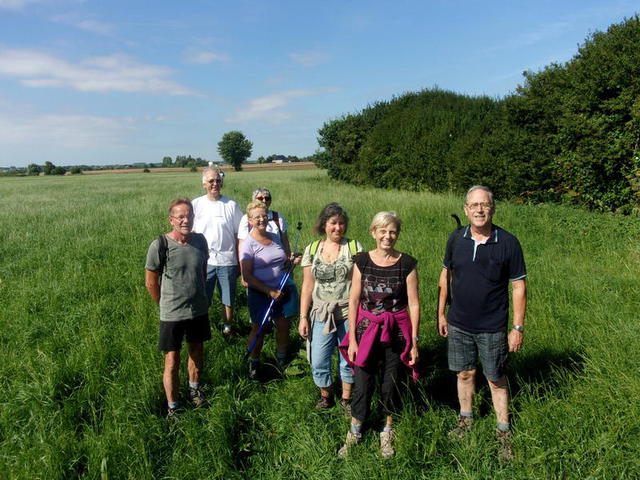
x=386, y=236
x=181, y=219
x=479, y=209
x=258, y=219
x=264, y=198
x=335, y=228
x=212, y=183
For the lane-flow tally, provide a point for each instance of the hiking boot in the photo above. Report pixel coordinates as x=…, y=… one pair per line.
x=196, y=397
x=325, y=402
x=173, y=414
x=386, y=443
x=254, y=371
x=505, y=449
x=226, y=329
x=463, y=427
x=345, y=403
x=352, y=439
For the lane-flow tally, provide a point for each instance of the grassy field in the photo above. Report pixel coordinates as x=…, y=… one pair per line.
x=81, y=375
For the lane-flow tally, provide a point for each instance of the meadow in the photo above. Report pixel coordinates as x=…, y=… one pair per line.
x=80, y=373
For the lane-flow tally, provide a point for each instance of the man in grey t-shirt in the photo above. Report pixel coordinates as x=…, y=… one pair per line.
x=176, y=269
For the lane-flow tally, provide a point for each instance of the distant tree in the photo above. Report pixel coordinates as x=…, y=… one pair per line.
x=58, y=171
x=261, y=159
x=234, y=148
x=33, y=169
x=48, y=168
x=193, y=167
x=76, y=170
x=167, y=162
x=146, y=170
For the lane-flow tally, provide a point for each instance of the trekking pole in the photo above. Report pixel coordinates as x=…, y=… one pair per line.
x=295, y=246
x=267, y=315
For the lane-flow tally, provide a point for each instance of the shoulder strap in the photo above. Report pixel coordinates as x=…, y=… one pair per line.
x=314, y=248
x=353, y=247
x=163, y=246
x=276, y=219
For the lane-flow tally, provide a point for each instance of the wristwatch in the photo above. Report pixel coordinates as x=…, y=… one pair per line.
x=519, y=328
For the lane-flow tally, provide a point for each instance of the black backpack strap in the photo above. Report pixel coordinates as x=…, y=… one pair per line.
x=276, y=219
x=163, y=246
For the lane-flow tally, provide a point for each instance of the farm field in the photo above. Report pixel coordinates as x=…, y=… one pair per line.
x=81, y=375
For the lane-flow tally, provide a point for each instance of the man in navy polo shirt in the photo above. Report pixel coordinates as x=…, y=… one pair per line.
x=480, y=261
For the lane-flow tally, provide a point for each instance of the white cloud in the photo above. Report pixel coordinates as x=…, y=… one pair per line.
x=204, y=57
x=16, y=4
x=113, y=73
x=310, y=59
x=270, y=107
x=93, y=26
x=68, y=131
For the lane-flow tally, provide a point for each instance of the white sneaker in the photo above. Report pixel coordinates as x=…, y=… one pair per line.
x=352, y=439
x=386, y=443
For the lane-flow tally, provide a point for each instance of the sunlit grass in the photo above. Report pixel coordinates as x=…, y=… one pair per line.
x=81, y=375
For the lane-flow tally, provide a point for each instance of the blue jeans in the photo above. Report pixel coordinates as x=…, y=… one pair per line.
x=322, y=348
x=225, y=278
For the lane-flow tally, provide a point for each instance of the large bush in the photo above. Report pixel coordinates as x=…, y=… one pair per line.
x=570, y=132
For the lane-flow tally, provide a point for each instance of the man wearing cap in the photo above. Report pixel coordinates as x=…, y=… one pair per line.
x=480, y=261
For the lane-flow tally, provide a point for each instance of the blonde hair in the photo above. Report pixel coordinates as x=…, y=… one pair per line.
x=382, y=219
x=256, y=204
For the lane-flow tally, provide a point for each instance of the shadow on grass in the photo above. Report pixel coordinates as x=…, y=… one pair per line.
x=539, y=373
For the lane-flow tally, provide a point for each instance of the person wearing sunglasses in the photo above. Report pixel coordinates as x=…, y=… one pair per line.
x=217, y=217
x=278, y=226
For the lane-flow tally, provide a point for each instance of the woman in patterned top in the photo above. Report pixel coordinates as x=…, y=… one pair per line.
x=384, y=319
x=324, y=303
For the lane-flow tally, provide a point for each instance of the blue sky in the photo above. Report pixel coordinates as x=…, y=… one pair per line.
x=88, y=82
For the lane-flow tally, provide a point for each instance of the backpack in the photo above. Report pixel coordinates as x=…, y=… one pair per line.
x=353, y=248
x=275, y=218
x=163, y=247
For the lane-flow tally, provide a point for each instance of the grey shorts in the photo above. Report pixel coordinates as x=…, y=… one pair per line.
x=463, y=349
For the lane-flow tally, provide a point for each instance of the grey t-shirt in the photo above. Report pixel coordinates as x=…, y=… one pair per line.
x=332, y=280
x=182, y=291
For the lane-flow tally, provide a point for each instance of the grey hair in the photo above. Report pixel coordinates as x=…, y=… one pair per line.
x=215, y=170
x=259, y=190
x=479, y=187
x=382, y=219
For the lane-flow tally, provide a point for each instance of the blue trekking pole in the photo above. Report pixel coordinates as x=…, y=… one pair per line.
x=267, y=314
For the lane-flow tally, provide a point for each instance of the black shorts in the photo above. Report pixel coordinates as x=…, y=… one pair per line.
x=196, y=330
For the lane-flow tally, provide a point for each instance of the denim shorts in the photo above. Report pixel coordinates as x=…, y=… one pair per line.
x=225, y=278
x=464, y=348
x=259, y=302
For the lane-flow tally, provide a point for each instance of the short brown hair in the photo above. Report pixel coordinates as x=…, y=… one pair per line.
x=180, y=201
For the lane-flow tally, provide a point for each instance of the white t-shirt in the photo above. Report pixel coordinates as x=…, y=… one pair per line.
x=243, y=231
x=218, y=221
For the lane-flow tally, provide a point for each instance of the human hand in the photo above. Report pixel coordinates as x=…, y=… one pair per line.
x=516, y=339
x=413, y=355
x=352, y=351
x=275, y=294
x=443, y=326
x=303, y=327
x=243, y=283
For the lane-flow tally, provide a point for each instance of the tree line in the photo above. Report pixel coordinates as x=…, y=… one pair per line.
x=569, y=133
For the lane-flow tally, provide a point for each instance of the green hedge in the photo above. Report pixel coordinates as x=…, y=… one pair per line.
x=570, y=133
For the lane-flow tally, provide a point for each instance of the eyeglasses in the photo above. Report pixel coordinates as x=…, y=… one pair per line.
x=180, y=218
x=264, y=199
x=477, y=205
x=214, y=180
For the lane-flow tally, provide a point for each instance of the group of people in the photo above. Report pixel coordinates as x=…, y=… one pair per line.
x=365, y=304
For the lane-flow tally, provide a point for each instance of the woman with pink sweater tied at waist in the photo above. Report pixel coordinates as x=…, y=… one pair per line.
x=384, y=319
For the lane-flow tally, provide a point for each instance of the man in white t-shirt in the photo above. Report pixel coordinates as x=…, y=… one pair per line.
x=218, y=218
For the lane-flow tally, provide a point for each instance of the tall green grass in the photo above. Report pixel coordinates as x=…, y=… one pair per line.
x=80, y=374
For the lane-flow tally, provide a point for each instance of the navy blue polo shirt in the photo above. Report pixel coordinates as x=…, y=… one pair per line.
x=480, y=275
